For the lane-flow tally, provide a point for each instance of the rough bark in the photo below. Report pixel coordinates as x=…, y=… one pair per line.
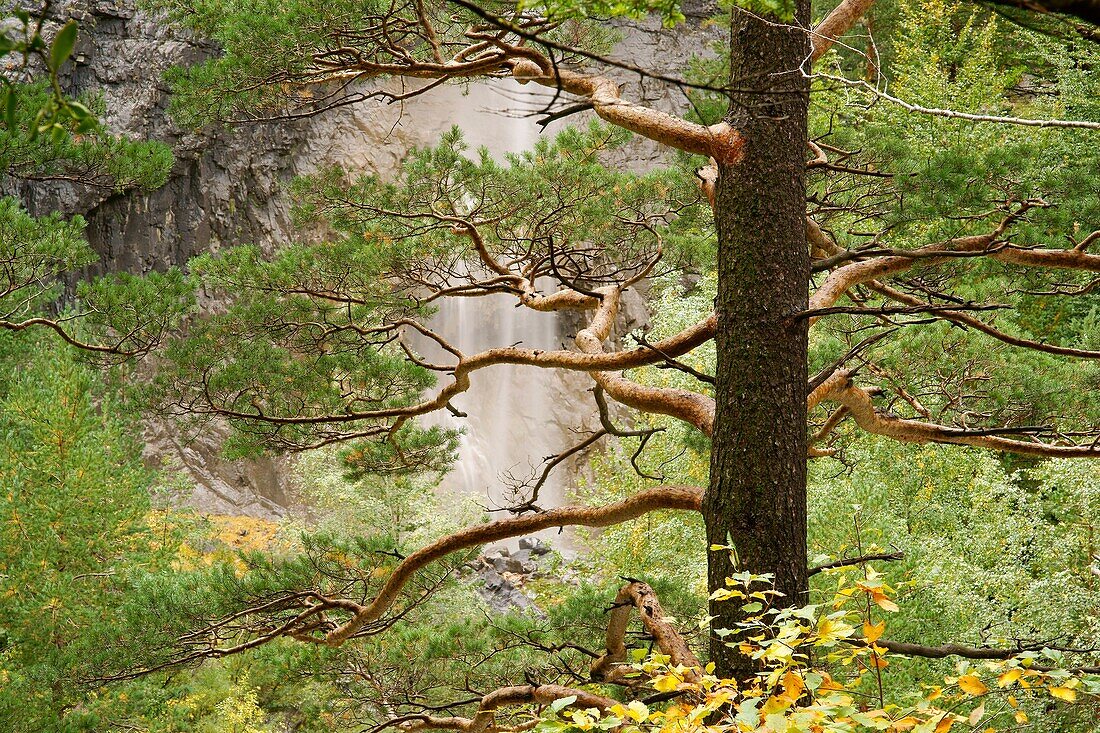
x=756, y=500
x=640, y=597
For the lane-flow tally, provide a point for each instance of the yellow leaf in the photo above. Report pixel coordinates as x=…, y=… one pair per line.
x=793, y=685
x=666, y=683
x=1009, y=677
x=872, y=632
x=1064, y=693
x=883, y=602
x=945, y=724
x=971, y=685
x=638, y=710
x=1021, y=717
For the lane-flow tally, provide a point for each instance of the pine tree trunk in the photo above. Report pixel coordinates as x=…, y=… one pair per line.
x=757, y=495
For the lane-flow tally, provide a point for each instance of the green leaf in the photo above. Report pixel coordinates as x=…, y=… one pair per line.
x=62, y=47
x=561, y=704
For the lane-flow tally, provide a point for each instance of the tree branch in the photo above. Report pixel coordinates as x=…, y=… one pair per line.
x=839, y=388
x=969, y=652
x=688, y=498
x=849, y=561
x=483, y=721
x=980, y=325
x=639, y=596
x=953, y=114
x=836, y=24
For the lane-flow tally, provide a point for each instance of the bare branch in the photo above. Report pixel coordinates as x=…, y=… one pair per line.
x=816, y=313
x=818, y=379
x=979, y=325
x=691, y=407
x=549, y=465
x=975, y=652
x=953, y=114
x=670, y=363
x=849, y=561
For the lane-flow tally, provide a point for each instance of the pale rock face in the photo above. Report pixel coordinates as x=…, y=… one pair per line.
x=228, y=187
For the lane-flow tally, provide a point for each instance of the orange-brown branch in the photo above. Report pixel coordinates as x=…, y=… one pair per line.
x=691, y=407
x=839, y=388
x=640, y=597
x=484, y=721
x=844, y=278
x=687, y=498
x=836, y=24
x=719, y=141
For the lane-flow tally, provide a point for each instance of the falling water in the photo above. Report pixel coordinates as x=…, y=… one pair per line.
x=512, y=413
x=516, y=417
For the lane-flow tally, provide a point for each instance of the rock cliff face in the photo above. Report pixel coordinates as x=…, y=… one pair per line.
x=228, y=187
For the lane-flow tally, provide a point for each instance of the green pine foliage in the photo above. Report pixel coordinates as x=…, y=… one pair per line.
x=997, y=550
x=307, y=340
x=241, y=84
x=952, y=178
x=73, y=529
x=50, y=137
x=88, y=156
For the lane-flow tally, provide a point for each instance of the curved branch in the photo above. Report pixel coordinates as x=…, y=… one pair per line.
x=549, y=464
x=720, y=141
x=839, y=388
x=68, y=338
x=836, y=24
x=639, y=596
x=483, y=720
x=691, y=407
x=688, y=498
x=844, y=278
x=980, y=325
x=594, y=361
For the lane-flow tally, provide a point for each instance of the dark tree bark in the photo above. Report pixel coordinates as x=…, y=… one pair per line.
x=757, y=496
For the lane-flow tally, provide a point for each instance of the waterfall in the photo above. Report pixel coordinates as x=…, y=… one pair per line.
x=516, y=417
x=513, y=416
